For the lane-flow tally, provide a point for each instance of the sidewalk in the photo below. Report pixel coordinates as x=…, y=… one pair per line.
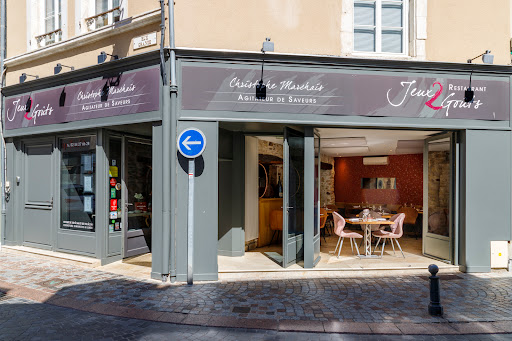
x=391, y=302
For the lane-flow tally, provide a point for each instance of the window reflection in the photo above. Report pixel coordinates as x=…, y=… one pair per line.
x=78, y=169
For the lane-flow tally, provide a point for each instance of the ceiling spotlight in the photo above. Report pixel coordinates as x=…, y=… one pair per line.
x=487, y=57
x=23, y=77
x=102, y=57
x=58, y=68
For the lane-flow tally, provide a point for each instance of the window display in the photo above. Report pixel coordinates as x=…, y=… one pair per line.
x=77, y=181
x=114, y=178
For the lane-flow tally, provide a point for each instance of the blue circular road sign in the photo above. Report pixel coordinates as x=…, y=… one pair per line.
x=191, y=143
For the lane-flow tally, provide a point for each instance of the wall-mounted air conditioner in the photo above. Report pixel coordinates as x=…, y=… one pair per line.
x=376, y=161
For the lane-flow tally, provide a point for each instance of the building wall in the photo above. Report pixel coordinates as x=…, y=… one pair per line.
x=459, y=30
x=323, y=27
x=407, y=169
x=16, y=28
x=297, y=26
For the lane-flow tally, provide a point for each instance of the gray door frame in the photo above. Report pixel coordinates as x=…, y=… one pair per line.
x=125, y=231
x=290, y=245
x=433, y=245
x=311, y=241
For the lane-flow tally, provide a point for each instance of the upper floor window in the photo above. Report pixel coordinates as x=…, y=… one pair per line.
x=51, y=26
x=106, y=12
x=380, y=26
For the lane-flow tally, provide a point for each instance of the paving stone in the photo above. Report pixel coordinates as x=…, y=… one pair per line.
x=346, y=303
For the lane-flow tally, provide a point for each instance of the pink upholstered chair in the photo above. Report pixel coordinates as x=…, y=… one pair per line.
x=397, y=230
x=339, y=225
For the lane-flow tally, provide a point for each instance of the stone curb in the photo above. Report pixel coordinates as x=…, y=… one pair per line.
x=384, y=328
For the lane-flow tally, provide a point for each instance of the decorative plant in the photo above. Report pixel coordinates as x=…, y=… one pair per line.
x=138, y=196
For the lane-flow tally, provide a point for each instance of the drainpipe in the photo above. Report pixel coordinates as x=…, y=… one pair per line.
x=3, y=48
x=170, y=260
x=162, y=40
x=166, y=124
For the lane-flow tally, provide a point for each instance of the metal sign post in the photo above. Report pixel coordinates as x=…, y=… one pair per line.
x=190, y=222
x=191, y=144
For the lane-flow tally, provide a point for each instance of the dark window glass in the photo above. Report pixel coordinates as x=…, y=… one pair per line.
x=78, y=171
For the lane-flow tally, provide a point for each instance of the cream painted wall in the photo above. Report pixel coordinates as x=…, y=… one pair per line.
x=86, y=55
x=16, y=27
x=459, y=30
x=296, y=26
x=251, y=188
x=136, y=7
x=71, y=18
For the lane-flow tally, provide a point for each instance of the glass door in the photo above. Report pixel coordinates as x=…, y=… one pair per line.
x=138, y=191
x=316, y=205
x=293, y=198
x=438, y=196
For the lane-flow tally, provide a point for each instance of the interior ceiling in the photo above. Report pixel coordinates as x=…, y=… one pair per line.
x=367, y=142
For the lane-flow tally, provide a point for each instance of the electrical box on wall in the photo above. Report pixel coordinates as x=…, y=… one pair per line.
x=499, y=254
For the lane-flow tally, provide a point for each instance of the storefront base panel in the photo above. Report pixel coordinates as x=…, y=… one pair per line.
x=77, y=243
x=475, y=269
x=199, y=277
x=37, y=246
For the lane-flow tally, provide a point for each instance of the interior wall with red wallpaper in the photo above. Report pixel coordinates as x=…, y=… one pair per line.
x=407, y=169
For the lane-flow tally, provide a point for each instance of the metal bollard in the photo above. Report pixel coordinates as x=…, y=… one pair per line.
x=434, y=307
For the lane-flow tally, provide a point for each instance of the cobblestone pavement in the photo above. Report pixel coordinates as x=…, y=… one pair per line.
x=22, y=319
x=395, y=303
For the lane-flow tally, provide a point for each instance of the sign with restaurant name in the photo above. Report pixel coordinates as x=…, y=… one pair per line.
x=342, y=93
x=126, y=93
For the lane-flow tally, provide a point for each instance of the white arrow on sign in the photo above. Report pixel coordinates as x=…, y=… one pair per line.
x=186, y=143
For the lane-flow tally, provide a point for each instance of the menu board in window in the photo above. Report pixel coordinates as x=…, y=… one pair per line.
x=77, y=178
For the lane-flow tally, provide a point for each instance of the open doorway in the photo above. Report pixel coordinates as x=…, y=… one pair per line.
x=386, y=172
x=130, y=195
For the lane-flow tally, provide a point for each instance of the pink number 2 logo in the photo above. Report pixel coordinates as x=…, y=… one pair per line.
x=438, y=93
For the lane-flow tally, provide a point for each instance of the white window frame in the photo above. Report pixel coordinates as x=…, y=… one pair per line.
x=378, y=28
x=37, y=37
x=42, y=23
x=90, y=18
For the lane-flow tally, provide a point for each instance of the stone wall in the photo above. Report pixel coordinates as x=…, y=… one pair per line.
x=327, y=182
x=438, y=180
x=266, y=147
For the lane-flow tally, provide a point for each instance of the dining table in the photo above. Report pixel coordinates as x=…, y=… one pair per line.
x=367, y=238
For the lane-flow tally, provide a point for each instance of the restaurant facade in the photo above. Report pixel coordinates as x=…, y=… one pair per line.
x=93, y=168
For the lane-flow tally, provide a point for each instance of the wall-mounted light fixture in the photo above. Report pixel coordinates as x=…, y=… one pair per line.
x=469, y=94
x=23, y=77
x=58, y=68
x=487, y=57
x=261, y=89
x=102, y=57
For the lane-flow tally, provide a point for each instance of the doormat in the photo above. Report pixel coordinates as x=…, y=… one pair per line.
x=445, y=277
x=276, y=257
